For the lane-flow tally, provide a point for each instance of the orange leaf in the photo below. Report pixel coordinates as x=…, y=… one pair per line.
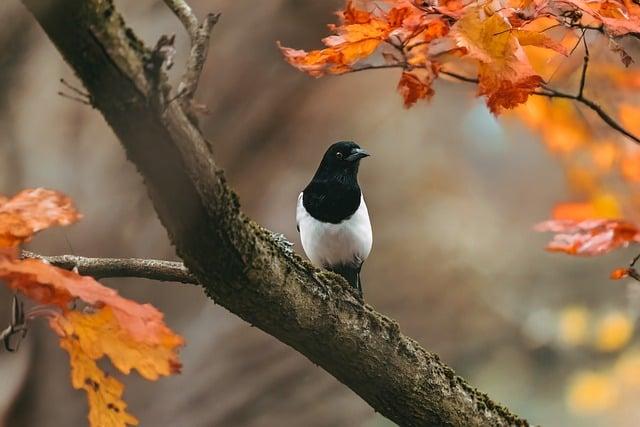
x=589, y=237
x=51, y=285
x=619, y=273
x=106, y=407
x=353, y=42
x=414, y=86
x=601, y=206
x=533, y=38
x=103, y=334
x=31, y=211
x=505, y=75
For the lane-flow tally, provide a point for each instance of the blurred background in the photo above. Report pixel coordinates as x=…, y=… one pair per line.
x=453, y=194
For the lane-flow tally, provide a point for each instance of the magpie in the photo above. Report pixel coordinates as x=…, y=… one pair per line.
x=332, y=216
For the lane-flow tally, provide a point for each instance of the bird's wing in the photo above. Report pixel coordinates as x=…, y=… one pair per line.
x=299, y=212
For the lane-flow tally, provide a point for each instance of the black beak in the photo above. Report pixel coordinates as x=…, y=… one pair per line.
x=357, y=154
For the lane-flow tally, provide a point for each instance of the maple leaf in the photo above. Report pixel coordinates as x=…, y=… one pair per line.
x=415, y=85
x=353, y=42
x=534, y=38
x=47, y=284
x=31, y=211
x=589, y=237
x=505, y=75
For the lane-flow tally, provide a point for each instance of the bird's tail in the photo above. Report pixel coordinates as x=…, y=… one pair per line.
x=352, y=274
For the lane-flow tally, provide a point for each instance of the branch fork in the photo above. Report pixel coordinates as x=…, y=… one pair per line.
x=199, y=35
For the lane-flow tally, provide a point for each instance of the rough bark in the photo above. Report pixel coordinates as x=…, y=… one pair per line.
x=241, y=265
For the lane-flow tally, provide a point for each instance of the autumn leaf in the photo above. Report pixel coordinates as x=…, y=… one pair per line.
x=103, y=334
x=106, y=407
x=31, y=211
x=533, y=38
x=619, y=273
x=589, y=237
x=47, y=284
x=601, y=206
x=505, y=75
x=415, y=85
x=133, y=336
x=352, y=42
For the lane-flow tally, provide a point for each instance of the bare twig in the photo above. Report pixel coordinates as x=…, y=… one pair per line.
x=100, y=268
x=185, y=14
x=199, y=35
x=585, y=64
x=17, y=326
x=77, y=95
x=554, y=93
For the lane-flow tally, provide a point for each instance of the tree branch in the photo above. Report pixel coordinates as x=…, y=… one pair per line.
x=199, y=35
x=102, y=268
x=554, y=93
x=238, y=263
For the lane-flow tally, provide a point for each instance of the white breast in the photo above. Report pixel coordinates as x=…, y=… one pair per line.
x=326, y=244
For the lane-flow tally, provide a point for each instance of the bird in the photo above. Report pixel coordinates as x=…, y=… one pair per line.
x=332, y=216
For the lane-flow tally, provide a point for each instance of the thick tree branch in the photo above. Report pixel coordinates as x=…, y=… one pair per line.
x=240, y=264
x=102, y=268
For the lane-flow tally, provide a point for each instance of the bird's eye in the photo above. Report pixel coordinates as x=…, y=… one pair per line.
x=339, y=155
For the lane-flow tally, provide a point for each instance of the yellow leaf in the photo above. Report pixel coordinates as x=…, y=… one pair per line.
x=106, y=407
x=591, y=393
x=613, y=332
x=101, y=334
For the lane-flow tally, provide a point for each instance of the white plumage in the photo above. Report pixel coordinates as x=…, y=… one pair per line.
x=326, y=244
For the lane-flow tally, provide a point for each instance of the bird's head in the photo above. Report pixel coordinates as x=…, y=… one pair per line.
x=342, y=157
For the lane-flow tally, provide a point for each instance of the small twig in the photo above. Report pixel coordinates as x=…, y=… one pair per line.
x=74, y=98
x=459, y=76
x=80, y=96
x=75, y=89
x=199, y=35
x=17, y=326
x=100, y=268
x=585, y=64
x=197, y=57
x=379, y=67
x=554, y=93
x=185, y=14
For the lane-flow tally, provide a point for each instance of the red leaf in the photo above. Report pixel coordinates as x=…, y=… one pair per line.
x=619, y=273
x=414, y=86
x=590, y=237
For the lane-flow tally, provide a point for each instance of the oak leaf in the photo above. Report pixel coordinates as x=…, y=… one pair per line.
x=104, y=393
